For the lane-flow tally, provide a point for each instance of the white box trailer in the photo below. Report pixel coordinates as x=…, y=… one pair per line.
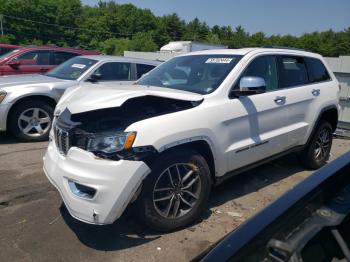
x=173, y=49
x=189, y=46
x=341, y=69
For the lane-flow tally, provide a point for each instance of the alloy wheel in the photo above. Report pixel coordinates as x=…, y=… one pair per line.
x=34, y=122
x=322, y=144
x=177, y=190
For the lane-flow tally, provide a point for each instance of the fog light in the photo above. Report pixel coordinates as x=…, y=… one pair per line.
x=81, y=191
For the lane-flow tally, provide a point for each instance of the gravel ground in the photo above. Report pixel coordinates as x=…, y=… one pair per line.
x=34, y=226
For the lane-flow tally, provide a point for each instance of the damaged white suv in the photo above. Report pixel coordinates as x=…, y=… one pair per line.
x=186, y=126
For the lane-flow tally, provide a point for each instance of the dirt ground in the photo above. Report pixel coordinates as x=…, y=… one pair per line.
x=34, y=226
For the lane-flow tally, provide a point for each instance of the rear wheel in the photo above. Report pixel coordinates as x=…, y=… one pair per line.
x=176, y=192
x=316, y=153
x=31, y=121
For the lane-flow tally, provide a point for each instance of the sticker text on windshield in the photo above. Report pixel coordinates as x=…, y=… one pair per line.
x=218, y=60
x=80, y=66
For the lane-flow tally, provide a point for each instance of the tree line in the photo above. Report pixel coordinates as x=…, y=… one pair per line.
x=113, y=28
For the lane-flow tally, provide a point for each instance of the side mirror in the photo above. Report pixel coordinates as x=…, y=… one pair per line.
x=250, y=85
x=14, y=63
x=95, y=77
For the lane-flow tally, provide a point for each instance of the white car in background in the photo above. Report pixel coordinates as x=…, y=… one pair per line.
x=187, y=125
x=27, y=102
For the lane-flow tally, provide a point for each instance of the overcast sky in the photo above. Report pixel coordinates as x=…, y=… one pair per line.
x=270, y=16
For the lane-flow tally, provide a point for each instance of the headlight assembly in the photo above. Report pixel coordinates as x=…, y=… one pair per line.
x=111, y=142
x=2, y=95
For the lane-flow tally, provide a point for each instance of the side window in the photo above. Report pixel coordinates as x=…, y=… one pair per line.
x=143, y=69
x=264, y=67
x=292, y=71
x=114, y=71
x=60, y=57
x=317, y=70
x=41, y=57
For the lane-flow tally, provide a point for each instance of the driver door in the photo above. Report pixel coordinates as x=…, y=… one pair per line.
x=257, y=126
x=117, y=72
x=33, y=62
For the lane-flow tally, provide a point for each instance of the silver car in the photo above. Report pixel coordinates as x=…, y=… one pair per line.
x=27, y=102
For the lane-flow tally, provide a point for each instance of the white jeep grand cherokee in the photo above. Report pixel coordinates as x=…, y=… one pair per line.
x=188, y=125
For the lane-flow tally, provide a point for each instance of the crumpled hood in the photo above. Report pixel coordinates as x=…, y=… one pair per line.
x=26, y=80
x=89, y=97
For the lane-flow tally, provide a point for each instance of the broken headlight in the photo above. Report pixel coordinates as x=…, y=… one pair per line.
x=111, y=142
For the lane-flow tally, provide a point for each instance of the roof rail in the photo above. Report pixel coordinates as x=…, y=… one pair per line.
x=282, y=47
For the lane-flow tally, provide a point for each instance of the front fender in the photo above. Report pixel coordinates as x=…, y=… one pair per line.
x=167, y=131
x=10, y=102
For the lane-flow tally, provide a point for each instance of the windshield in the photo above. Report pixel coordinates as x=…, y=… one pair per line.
x=9, y=53
x=72, y=69
x=200, y=74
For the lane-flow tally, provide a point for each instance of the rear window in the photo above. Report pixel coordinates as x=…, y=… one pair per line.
x=317, y=70
x=60, y=57
x=292, y=71
x=143, y=69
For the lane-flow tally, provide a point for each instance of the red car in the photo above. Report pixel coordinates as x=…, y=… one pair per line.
x=5, y=48
x=33, y=60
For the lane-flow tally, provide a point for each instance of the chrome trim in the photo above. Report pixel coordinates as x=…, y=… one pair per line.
x=61, y=140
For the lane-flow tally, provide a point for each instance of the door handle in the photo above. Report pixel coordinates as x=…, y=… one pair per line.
x=280, y=100
x=316, y=92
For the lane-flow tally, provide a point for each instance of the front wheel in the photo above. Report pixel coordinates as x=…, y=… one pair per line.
x=31, y=121
x=176, y=191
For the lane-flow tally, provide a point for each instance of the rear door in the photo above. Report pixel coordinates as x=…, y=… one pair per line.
x=257, y=125
x=304, y=80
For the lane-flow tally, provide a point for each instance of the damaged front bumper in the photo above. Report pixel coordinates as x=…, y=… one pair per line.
x=94, y=190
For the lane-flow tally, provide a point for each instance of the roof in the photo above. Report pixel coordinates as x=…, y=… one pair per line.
x=121, y=59
x=240, y=51
x=9, y=46
x=71, y=49
x=244, y=51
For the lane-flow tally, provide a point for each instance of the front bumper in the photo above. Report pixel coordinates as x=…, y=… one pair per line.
x=4, y=109
x=115, y=183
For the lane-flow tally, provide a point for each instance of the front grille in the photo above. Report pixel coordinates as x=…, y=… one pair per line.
x=62, y=140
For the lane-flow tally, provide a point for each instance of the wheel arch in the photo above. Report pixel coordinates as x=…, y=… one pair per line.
x=329, y=114
x=51, y=101
x=201, y=146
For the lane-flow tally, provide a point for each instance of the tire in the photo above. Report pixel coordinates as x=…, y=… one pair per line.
x=154, y=213
x=313, y=157
x=31, y=114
